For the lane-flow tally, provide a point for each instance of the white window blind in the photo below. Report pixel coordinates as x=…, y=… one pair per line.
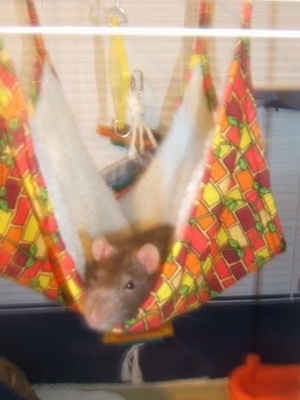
x=82, y=65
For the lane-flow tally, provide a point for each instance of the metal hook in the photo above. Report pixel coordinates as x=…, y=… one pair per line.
x=124, y=133
x=116, y=13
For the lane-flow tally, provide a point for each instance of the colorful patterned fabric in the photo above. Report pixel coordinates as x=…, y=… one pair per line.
x=233, y=228
x=200, y=55
x=32, y=251
x=41, y=57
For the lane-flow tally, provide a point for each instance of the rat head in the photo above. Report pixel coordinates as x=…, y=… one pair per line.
x=119, y=280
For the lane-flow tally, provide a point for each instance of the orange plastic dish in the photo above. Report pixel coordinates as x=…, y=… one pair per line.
x=258, y=381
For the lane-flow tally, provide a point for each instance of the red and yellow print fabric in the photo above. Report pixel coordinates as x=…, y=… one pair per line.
x=32, y=251
x=232, y=230
x=233, y=227
x=40, y=57
x=200, y=55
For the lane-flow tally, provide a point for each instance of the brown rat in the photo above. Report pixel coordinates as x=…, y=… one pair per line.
x=120, y=274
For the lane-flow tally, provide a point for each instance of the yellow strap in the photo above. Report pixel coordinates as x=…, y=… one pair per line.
x=119, y=77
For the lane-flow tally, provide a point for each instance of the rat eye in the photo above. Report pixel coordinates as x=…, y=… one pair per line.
x=129, y=285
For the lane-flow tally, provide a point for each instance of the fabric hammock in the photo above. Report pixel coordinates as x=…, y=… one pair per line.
x=32, y=250
x=43, y=207
x=233, y=226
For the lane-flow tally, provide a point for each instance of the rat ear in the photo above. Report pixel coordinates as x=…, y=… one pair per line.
x=101, y=248
x=149, y=257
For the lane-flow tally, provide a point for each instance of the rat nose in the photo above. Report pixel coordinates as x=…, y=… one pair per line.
x=94, y=320
x=97, y=318
x=97, y=311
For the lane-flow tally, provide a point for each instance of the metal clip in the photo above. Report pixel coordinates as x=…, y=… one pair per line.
x=116, y=14
x=124, y=133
